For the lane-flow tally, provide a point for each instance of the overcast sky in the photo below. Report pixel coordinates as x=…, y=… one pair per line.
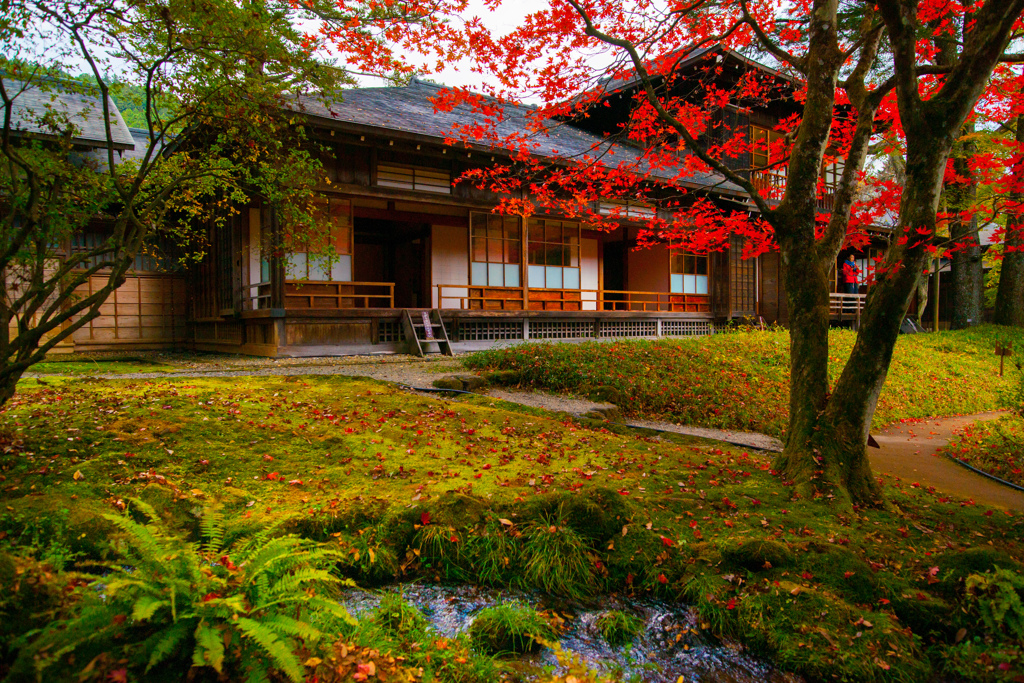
x=502, y=20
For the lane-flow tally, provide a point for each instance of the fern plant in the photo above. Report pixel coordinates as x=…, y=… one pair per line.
x=242, y=607
x=999, y=598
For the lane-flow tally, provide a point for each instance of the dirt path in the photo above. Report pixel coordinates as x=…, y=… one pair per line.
x=908, y=451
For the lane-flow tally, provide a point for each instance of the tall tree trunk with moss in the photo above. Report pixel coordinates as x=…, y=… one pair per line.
x=1009, y=308
x=967, y=275
x=966, y=261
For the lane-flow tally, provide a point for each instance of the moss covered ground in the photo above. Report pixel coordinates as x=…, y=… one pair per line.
x=476, y=490
x=101, y=365
x=740, y=380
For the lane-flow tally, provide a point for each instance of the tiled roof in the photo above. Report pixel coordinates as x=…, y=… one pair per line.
x=680, y=59
x=84, y=111
x=408, y=109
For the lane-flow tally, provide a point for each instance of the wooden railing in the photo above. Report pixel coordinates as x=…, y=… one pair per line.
x=771, y=183
x=338, y=295
x=614, y=300
x=845, y=306
x=468, y=297
x=258, y=296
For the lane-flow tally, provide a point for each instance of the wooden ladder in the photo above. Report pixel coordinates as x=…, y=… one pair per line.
x=423, y=328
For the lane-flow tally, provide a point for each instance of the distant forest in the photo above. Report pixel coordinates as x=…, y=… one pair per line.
x=131, y=100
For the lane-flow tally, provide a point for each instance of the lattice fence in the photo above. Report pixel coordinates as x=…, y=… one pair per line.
x=629, y=328
x=686, y=328
x=561, y=329
x=490, y=330
x=390, y=331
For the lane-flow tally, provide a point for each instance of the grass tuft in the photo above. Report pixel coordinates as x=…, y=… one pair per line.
x=558, y=560
x=618, y=628
x=398, y=617
x=511, y=628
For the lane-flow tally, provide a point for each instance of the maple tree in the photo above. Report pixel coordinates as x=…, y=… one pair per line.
x=907, y=72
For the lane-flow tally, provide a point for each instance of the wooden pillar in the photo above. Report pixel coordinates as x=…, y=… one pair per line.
x=277, y=262
x=524, y=268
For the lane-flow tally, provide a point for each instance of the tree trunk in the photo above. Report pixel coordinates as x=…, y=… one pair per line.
x=807, y=289
x=8, y=385
x=826, y=455
x=967, y=271
x=1009, y=308
x=806, y=277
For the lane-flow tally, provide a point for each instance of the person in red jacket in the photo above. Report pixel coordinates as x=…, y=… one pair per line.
x=850, y=275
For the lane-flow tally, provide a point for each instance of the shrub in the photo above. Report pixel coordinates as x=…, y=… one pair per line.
x=511, y=628
x=242, y=609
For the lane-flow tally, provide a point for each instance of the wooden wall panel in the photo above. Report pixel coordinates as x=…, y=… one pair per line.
x=149, y=309
x=772, y=304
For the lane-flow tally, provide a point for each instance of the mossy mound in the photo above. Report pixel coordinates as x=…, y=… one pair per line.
x=759, y=555
x=597, y=516
x=955, y=566
x=512, y=628
x=845, y=572
x=607, y=394
x=503, y=377
x=816, y=633
x=926, y=615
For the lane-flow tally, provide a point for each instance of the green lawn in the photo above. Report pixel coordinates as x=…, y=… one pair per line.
x=741, y=380
x=406, y=487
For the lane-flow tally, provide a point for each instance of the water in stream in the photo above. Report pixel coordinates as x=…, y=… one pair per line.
x=670, y=648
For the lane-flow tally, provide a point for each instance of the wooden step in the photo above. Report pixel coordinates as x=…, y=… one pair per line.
x=423, y=328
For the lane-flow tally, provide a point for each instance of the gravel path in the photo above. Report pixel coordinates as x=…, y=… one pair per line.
x=397, y=368
x=577, y=406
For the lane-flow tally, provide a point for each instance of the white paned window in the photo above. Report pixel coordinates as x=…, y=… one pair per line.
x=688, y=273
x=554, y=254
x=495, y=250
x=324, y=255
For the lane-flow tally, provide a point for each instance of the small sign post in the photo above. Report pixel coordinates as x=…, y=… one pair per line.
x=1003, y=349
x=428, y=326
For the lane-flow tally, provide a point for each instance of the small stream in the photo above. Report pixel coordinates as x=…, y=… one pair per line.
x=670, y=648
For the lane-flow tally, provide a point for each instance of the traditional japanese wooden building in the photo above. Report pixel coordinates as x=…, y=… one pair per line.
x=407, y=238
x=417, y=261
